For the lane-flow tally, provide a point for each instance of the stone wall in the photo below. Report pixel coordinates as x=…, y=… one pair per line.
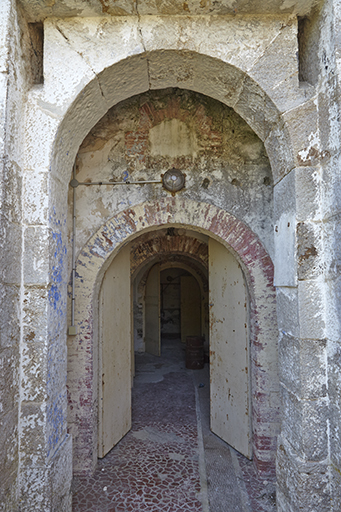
x=308, y=465
x=90, y=64
x=16, y=77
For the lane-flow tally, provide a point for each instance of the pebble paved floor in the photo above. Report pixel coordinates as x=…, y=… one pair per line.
x=170, y=461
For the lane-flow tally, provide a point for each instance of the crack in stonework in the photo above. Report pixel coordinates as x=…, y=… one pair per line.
x=62, y=33
x=142, y=41
x=82, y=57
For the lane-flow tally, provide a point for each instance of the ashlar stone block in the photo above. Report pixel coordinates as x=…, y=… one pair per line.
x=310, y=257
x=10, y=316
x=308, y=193
x=287, y=311
x=11, y=255
x=302, y=124
x=36, y=263
x=279, y=149
x=312, y=308
x=331, y=187
x=33, y=434
x=305, y=425
x=35, y=197
x=257, y=109
x=302, y=485
x=303, y=366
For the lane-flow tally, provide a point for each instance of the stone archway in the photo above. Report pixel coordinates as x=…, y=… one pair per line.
x=92, y=263
x=76, y=93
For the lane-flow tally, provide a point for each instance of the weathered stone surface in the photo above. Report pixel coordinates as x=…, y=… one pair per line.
x=252, y=104
x=335, y=481
x=36, y=264
x=96, y=56
x=285, y=232
x=310, y=261
x=303, y=368
x=9, y=450
x=61, y=477
x=308, y=184
x=302, y=485
x=35, y=10
x=332, y=243
x=305, y=425
x=311, y=309
x=9, y=321
x=287, y=311
x=279, y=150
x=302, y=124
x=9, y=369
x=11, y=253
x=331, y=188
x=328, y=117
x=33, y=434
x=56, y=415
x=34, y=371
x=333, y=320
x=12, y=190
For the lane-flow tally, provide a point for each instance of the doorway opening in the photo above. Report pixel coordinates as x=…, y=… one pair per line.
x=164, y=294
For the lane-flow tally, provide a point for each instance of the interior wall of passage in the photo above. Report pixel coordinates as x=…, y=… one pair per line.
x=180, y=262
x=139, y=139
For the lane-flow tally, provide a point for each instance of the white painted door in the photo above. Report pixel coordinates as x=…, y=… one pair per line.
x=115, y=354
x=190, y=307
x=152, y=336
x=229, y=350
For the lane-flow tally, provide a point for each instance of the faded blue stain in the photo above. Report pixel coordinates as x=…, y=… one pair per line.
x=56, y=420
x=57, y=269
x=125, y=175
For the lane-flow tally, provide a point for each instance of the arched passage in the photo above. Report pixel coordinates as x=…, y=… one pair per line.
x=92, y=263
x=74, y=97
x=85, y=105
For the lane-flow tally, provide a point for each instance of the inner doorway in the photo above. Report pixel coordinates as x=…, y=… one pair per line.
x=179, y=307
x=175, y=305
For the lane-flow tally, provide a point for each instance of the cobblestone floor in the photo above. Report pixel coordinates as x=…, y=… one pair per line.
x=170, y=462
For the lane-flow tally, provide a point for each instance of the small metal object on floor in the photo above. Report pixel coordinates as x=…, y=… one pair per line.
x=169, y=461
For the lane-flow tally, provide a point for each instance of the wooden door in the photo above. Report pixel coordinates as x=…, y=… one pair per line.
x=229, y=350
x=190, y=307
x=115, y=354
x=152, y=312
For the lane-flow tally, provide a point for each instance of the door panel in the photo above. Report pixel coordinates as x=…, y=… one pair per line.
x=229, y=350
x=115, y=354
x=152, y=312
x=190, y=307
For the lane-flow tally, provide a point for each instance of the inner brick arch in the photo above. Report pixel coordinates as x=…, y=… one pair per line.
x=92, y=263
x=161, y=246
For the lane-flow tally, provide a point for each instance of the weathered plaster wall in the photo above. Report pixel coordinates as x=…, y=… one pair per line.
x=141, y=138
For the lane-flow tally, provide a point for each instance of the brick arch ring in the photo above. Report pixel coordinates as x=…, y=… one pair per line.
x=91, y=265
